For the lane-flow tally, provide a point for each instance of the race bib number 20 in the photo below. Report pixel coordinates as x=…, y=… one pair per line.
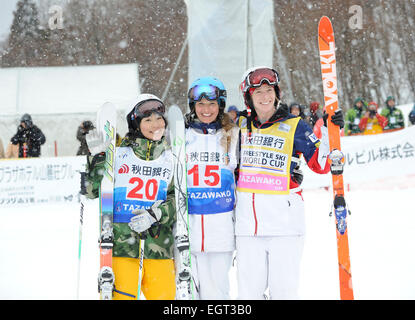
x=143, y=189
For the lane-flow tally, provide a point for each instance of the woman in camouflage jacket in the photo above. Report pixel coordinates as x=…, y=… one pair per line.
x=143, y=180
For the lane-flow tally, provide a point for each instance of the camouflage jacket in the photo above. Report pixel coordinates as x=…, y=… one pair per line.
x=126, y=241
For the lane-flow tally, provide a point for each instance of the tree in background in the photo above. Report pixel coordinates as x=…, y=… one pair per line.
x=374, y=62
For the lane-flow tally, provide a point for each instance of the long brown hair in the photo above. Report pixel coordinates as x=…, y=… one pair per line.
x=225, y=142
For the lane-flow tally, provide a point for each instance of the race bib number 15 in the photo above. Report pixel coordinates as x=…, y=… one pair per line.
x=204, y=176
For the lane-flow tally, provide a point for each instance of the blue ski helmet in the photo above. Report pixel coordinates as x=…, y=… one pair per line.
x=207, y=87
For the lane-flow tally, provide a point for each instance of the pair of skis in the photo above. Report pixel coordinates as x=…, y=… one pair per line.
x=328, y=71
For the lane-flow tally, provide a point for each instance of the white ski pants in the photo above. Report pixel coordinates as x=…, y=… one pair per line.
x=268, y=262
x=210, y=271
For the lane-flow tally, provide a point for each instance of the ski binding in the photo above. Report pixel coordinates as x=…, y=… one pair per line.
x=106, y=283
x=337, y=163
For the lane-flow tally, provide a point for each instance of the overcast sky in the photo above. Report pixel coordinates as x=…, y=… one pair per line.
x=6, y=16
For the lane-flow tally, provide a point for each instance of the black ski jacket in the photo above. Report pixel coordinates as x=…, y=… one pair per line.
x=32, y=136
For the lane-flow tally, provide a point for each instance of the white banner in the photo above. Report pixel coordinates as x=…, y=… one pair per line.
x=40, y=180
x=371, y=158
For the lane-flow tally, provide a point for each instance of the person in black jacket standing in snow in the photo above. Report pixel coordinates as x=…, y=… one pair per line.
x=29, y=138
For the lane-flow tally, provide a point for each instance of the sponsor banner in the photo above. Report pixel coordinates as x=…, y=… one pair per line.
x=40, y=180
x=370, y=158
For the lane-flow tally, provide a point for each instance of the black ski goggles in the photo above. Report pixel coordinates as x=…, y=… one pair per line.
x=207, y=91
x=146, y=108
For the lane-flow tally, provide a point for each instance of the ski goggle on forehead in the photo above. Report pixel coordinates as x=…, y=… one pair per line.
x=257, y=77
x=207, y=91
x=146, y=108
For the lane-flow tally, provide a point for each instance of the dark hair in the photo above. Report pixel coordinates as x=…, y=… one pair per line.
x=134, y=125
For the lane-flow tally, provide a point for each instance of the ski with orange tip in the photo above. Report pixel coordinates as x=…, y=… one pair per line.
x=336, y=158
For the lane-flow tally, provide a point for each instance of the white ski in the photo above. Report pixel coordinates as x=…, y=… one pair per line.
x=184, y=285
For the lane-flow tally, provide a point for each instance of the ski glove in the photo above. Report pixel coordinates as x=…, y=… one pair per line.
x=96, y=142
x=297, y=175
x=337, y=118
x=145, y=218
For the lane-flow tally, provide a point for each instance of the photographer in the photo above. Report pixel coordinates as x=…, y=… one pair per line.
x=29, y=138
x=83, y=129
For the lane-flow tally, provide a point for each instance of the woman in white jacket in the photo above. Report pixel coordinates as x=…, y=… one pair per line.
x=211, y=146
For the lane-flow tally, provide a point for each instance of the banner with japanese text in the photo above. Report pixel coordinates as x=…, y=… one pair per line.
x=40, y=180
x=371, y=158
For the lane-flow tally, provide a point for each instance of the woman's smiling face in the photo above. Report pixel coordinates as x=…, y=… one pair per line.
x=207, y=110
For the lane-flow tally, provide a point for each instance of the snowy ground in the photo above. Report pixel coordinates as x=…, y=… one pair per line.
x=39, y=248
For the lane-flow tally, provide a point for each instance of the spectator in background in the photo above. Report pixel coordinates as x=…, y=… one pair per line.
x=84, y=129
x=316, y=118
x=372, y=122
x=307, y=116
x=353, y=117
x=233, y=113
x=411, y=116
x=316, y=111
x=394, y=115
x=29, y=138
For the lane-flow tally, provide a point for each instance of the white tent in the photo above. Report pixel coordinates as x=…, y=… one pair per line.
x=60, y=98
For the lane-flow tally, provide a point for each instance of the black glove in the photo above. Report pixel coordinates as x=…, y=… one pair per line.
x=337, y=118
